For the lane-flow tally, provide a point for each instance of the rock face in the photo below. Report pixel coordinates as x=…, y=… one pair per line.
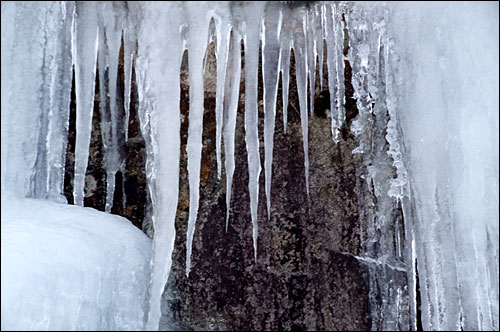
x=304, y=277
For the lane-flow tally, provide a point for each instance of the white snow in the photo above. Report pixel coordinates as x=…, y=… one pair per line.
x=66, y=267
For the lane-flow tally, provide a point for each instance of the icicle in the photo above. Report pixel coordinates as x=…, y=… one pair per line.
x=300, y=53
x=332, y=70
x=102, y=63
x=271, y=59
x=85, y=54
x=223, y=31
x=320, y=35
x=253, y=13
x=285, y=61
x=339, y=62
x=113, y=30
x=111, y=16
x=60, y=94
x=197, y=41
x=129, y=51
x=230, y=110
x=311, y=53
x=160, y=124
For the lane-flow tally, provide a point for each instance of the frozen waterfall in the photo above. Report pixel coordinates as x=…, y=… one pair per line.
x=426, y=84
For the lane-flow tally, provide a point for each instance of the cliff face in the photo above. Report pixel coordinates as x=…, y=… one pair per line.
x=305, y=277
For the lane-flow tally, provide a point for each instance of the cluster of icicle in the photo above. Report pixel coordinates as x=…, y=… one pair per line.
x=89, y=35
x=278, y=28
x=49, y=39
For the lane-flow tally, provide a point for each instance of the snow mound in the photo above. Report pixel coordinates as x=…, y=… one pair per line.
x=66, y=267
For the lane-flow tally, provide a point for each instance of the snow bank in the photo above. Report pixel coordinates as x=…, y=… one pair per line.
x=66, y=267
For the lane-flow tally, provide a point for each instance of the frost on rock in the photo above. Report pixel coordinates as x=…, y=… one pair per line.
x=425, y=87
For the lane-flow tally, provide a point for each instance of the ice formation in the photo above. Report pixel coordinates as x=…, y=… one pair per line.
x=425, y=79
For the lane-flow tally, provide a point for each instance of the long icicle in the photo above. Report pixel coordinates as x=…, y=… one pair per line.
x=339, y=61
x=286, y=31
x=223, y=31
x=197, y=44
x=59, y=107
x=230, y=111
x=300, y=53
x=112, y=18
x=85, y=53
x=129, y=51
x=271, y=57
x=332, y=69
x=311, y=54
x=159, y=114
x=253, y=14
x=320, y=35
